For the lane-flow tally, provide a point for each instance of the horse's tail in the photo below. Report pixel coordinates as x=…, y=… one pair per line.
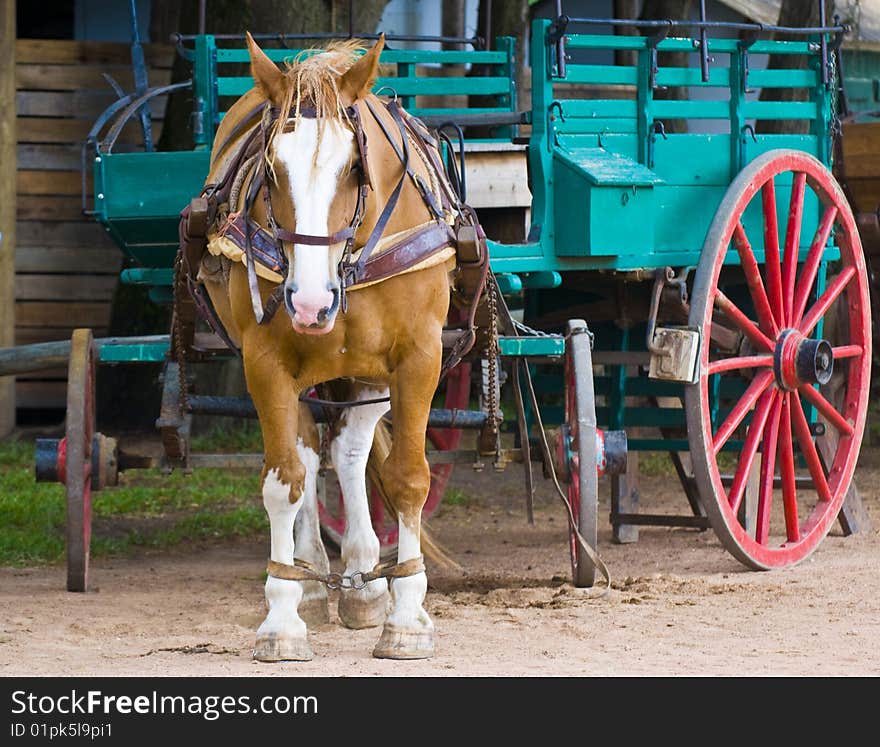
x=431, y=548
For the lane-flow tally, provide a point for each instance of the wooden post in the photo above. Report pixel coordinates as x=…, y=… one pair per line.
x=7, y=206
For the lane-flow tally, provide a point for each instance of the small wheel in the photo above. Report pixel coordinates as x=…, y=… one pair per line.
x=331, y=502
x=782, y=386
x=79, y=430
x=576, y=449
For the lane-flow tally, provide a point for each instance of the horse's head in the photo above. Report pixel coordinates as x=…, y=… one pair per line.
x=313, y=155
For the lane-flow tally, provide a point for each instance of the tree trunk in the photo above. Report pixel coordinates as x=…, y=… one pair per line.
x=257, y=16
x=675, y=10
x=794, y=13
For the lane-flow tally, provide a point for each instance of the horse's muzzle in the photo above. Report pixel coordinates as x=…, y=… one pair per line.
x=311, y=314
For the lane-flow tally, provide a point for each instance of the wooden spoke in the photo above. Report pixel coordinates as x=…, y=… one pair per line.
x=741, y=409
x=787, y=472
x=753, y=278
x=768, y=471
x=771, y=249
x=750, y=448
x=827, y=409
x=792, y=239
x=835, y=288
x=746, y=325
x=811, y=264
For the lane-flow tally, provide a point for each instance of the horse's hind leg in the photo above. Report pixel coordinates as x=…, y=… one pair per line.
x=350, y=449
x=314, y=608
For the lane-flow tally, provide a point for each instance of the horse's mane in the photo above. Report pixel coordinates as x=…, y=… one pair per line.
x=312, y=80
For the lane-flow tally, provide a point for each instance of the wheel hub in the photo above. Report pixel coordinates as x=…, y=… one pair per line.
x=801, y=360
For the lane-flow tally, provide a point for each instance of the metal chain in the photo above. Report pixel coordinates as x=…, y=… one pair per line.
x=492, y=352
x=177, y=346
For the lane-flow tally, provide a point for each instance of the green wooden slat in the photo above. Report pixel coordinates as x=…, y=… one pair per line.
x=780, y=110
x=670, y=109
x=415, y=56
x=783, y=78
x=590, y=108
x=590, y=126
x=680, y=76
x=678, y=44
x=601, y=75
x=446, y=86
x=403, y=86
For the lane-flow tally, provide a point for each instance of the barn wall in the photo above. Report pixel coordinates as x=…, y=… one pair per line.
x=66, y=268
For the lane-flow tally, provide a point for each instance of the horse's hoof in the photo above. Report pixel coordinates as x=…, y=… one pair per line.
x=404, y=643
x=358, y=613
x=272, y=647
x=314, y=612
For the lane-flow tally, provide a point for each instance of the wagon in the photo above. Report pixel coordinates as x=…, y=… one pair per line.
x=688, y=284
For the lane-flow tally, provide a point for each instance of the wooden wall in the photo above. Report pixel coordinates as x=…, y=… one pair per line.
x=66, y=268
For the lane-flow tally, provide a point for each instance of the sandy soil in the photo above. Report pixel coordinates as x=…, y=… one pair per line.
x=680, y=604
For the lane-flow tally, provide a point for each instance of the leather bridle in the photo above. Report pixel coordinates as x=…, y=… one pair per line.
x=350, y=271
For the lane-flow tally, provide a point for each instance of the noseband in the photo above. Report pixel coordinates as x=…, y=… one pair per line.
x=349, y=271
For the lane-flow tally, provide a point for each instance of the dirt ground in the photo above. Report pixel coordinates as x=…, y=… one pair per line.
x=679, y=605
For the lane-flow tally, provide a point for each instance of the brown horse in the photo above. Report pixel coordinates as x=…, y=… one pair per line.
x=328, y=149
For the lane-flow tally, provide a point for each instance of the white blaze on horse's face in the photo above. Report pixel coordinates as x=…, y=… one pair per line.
x=314, y=163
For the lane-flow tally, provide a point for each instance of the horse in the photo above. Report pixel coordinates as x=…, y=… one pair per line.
x=342, y=195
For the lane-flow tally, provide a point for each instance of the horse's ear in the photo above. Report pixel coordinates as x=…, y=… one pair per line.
x=267, y=76
x=358, y=81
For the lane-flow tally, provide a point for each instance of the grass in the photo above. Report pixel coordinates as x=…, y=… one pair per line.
x=147, y=509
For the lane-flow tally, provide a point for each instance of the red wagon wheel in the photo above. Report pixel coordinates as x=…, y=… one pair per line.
x=576, y=449
x=331, y=510
x=77, y=458
x=784, y=365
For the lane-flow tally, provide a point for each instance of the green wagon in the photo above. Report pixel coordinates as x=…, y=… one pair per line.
x=689, y=284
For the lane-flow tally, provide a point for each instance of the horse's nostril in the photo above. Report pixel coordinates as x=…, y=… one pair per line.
x=323, y=314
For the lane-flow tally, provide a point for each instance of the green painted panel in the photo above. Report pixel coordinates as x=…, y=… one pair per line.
x=532, y=346
x=591, y=126
x=783, y=78
x=150, y=184
x=669, y=109
x=693, y=159
x=780, y=110
x=589, y=108
x=127, y=353
x=601, y=75
x=604, y=167
x=679, y=76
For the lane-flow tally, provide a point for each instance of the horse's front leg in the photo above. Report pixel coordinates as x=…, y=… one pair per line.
x=282, y=635
x=350, y=449
x=409, y=632
x=314, y=608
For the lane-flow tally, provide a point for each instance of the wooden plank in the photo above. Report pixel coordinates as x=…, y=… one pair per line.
x=65, y=287
x=861, y=150
x=65, y=157
x=82, y=77
x=62, y=233
x=66, y=52
x=45, y=259
x=41, y=207
x=31, y=182
x=31, y=335
x=497, y=180
x=58, y=314
x=7, y=208
x=41, y=395
x=77, y=104
x=59, y=130
x=865, y=194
